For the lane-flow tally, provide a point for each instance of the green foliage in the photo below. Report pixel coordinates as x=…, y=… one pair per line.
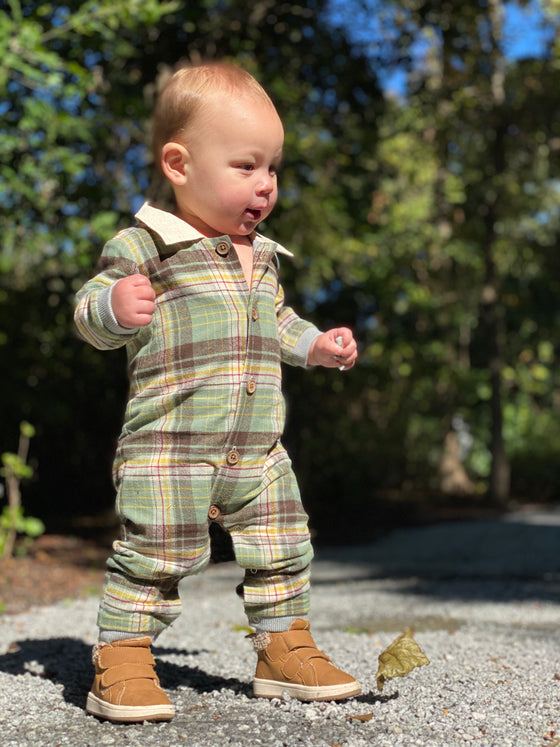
x=464, y=214
x=54, y=129
x=15, y=466
x=13, y=521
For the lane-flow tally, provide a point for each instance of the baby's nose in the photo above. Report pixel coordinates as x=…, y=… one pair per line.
x=265, y=185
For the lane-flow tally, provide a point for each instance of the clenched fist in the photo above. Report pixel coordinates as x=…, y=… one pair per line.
x=334, y=349
x=133, y=301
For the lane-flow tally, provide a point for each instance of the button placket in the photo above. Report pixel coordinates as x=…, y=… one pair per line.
x=213, y=512
x=251, y=386
x=223, y=248
x=232, y=457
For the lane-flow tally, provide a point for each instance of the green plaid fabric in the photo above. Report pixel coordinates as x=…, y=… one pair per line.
x=203, y=422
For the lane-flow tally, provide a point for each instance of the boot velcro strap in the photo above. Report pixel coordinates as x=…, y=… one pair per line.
x=127, y=671
x=299, y=658
x=110, y=656
x=293, y=639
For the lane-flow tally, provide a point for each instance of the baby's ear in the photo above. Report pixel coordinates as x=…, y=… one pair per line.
x=174, y=159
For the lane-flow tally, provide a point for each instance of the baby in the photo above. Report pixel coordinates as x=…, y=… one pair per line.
x=195, y=297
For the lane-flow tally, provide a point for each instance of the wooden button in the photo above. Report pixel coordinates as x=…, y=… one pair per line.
x=232, y=457
x=222, y=248
x=254, y=313
x=213, y=512
x=251, y=386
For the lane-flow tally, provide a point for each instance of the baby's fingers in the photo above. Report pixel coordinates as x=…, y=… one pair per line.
x=141, y=287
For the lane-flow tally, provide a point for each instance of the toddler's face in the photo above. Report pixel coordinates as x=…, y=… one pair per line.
x=233, y=153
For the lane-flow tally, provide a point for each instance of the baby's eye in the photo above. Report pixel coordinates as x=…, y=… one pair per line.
x=247, y=166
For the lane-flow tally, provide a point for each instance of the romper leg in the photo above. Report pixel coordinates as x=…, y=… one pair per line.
x=272, y=542
x=164, y=517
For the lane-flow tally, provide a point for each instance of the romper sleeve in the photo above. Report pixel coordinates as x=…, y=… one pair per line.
x=295, y=334
x=93, y=315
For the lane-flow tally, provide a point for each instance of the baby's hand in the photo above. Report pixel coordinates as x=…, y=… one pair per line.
x=132, y=301
x=334, y=349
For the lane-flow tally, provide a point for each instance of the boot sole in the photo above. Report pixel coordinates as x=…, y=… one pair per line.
x=110, y=712
x=274, y=689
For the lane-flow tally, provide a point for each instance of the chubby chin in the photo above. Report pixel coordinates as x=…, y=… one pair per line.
x=246, y=227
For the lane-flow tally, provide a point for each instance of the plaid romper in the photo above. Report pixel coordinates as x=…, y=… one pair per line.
x=202, y=428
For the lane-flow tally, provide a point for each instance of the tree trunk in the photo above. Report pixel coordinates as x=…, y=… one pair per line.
x=499, y=486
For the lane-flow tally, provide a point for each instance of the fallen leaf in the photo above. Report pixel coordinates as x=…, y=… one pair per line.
x=361, y=717
x=399, y=658
x=243, y=629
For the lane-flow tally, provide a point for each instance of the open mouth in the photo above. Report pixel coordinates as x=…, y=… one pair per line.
x=253, y=214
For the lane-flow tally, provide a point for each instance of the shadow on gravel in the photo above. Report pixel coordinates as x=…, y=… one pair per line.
x=372, y=698
x=64, y=661
x=172, y=675
x=67, y=662
x=518, y=554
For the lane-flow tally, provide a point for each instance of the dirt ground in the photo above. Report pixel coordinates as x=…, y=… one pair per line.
x=65, y=566
x=56, y=568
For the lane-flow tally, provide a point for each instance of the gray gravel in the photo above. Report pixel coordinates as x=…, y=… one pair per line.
x=483, y=596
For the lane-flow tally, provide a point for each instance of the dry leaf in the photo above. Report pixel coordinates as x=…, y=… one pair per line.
x=361, y=717
x=400, y=658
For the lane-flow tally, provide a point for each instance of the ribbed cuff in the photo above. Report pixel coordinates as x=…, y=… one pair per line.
x=304, y=343
x=107, y=315
x=110, y=636
x=271, y=624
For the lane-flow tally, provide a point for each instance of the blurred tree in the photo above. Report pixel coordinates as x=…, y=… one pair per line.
x=64, y=188
x=467, y=203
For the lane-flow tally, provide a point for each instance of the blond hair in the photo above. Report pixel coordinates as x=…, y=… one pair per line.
x=186, y=93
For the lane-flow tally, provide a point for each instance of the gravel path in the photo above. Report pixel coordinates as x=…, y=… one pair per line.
x=483, y=597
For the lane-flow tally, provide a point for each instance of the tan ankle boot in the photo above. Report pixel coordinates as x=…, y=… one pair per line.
x=291, y=663
x=125, y=686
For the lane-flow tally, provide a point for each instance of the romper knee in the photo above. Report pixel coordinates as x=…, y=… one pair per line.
x=258, y=550
x=157, y=566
